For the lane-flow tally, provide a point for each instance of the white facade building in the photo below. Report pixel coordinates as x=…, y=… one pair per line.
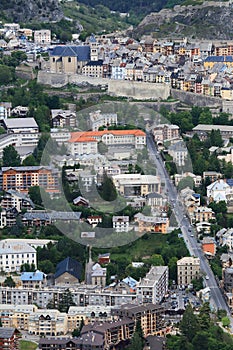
x=120, y=223
x=13, y=255
x=154, y=287
x=98, y=119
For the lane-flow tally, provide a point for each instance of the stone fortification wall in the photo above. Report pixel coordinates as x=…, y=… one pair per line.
x=138, y=90
x=191, y=98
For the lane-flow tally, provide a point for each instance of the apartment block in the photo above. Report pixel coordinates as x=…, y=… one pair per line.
x=153, y=287
x=22, y=178
x=47, y=323
x=120, y=223
x=188, y=268
x=98, y=119
x=14, y=255
x=42, y=37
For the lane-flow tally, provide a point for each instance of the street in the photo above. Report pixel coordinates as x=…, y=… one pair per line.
x=217, y=299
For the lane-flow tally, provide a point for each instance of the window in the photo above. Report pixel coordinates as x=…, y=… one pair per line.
x=69, y=59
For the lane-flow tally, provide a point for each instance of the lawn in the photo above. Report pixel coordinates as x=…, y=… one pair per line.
x=27, y=345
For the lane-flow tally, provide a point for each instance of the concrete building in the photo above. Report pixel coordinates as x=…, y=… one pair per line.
x=228, y=279
x=165, y=132
x=154, y=287
x=42, y=37
x=149, y=315
x=14, y=255
x=20, y=125
x=98, y=119
x=46, y=322
x=136, y=184
x=98, y=275
x=188, y=268
x=158, y=224
x=21, y=178
x=203, y=214
x=209, y=246
x=179, y=153
x=197, y=179
x=202, y=130
x=35, y=279
x=5, y=110
x=63, y=118
x=219, y=191
x=18, y=200
x=120, y=223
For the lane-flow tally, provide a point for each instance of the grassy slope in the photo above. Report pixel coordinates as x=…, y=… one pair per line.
x=27, y=345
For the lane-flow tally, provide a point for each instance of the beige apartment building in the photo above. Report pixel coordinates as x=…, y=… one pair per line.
x=136, y=184
x=188, y=268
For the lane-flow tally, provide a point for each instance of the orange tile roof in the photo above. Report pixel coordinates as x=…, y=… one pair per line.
x=88, y=136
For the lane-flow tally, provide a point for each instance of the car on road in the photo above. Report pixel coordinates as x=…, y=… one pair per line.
x=192, y=235
x=207, y=277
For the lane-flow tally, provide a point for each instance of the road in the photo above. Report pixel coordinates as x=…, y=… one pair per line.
x=217, y=298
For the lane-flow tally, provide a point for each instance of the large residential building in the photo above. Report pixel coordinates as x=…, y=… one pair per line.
x=63, y=118
x=188, y=268
x=45, y=322
x=120, y=223
x=197, y=179
x=153, y=287
x=178, y=151
x=18, y=200
x=86, y=142
x=98, y=119
x=136, y=184
x=165, y=132
x=22, y=178
x=14, y=255
x=150, y=316
x=158, y=224
x=202, y=214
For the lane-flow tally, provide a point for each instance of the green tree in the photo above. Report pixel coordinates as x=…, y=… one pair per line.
x=6, y=75
x=206, y=117
x=77, y=331
x=204, y=317
x=137, y=341
x=10, y=156
x=29, y=161
x=9, y=282
x=226, y=321
x=201, y=341
x=189, y=323
x=108, y=190
x=66, y=301
x=102, y=147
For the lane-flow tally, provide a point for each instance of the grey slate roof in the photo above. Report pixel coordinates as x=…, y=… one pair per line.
x=82, y=52
x=6, y=332
x=69, y=265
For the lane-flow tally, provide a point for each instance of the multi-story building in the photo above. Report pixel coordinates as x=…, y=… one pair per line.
x=120, y=223
x=197, y=179
x=132, y=185
x=44, y=322
x=35, y=279
x=149, y=315
x=42, y=37
x=44, y=218
x=93, y=69
x=20, y=125
x=202, y=130
x=14, y=255
x=153, y=287
x=203, y=214
x=164, y=132
x=82, y=296
x=98, y=275
x=16, y=315
x=158, y=224
x=22, y=178
x=18, y=200
x=63, y=118
x=228, y=279
x=5, y=110
x=98, y=119
x=86, y=142
x=219, y=190
x=179, y=153
x=188, y=268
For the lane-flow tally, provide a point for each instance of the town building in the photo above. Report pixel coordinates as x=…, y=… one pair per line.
x=20, y=125
x=197, y=179
x=21, y=178
x=120, y=223
x=69, y=59
x=46, y=322
x=209, y=246
x=68, y=272
x=9, y=338
x=36, y=279
x=202, y=214
x=153, y=287
x=157, y=223
x=188, y=268
x=149, y=315
x=165, y=132
x=98, y=119
x=14, y=255
x=228, y=279
x=42, y=37
x=5, y=110
x=18, y=200
x=202, y=130
x=134, y=185
x=63, y=118
x=219, y=191
x=98, y=275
